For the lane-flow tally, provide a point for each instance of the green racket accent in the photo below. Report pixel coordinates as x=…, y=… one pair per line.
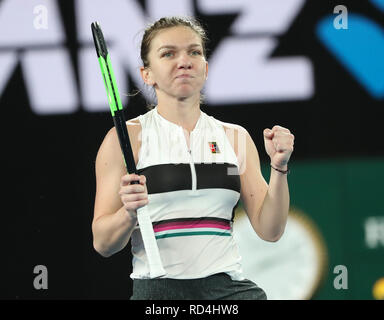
x=110, y=84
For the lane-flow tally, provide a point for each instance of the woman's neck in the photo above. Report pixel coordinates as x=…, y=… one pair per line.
x=184, y=113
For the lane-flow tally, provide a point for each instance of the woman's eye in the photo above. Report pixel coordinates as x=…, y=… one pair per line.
x=167, y=54
x=170, y=54
x=196, y=53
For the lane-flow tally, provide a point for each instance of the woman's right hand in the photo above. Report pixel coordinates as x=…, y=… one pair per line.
x=133, y=196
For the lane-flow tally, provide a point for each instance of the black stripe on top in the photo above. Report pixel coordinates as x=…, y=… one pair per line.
x=174, y=177
x=217, y=175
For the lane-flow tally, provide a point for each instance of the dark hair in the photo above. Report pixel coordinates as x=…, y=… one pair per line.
x=164, y=23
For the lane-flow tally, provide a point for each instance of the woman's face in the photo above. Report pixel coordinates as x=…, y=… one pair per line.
x=177, y=66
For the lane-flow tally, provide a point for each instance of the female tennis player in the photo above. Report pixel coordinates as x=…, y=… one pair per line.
x=193, y=170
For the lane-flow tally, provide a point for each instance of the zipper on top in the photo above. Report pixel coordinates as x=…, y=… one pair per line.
x=193, y=171
x=191, y=162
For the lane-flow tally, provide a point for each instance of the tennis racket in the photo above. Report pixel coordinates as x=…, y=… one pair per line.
x=150, y=245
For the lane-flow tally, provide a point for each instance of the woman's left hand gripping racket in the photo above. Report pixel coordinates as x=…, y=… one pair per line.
x=155, y=266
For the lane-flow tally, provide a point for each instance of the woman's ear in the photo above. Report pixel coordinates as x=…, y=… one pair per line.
x=146, y=76
x=206, y=70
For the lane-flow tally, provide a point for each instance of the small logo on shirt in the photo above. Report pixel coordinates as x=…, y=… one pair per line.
x=213, y=146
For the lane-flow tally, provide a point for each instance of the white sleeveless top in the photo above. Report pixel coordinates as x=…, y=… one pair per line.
x=192, y=196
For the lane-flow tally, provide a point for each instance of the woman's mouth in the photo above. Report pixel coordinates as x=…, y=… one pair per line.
x=183, y=76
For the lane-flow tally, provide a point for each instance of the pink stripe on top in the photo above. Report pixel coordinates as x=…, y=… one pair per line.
x=192, y=225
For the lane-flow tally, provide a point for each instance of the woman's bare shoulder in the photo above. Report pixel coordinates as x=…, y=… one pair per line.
x=235, y=134
x=133, y=127
x=134, y=123
x=232, y=127
x=110, y=146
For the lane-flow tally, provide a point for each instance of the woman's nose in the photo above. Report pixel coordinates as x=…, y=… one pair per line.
x=184, y=62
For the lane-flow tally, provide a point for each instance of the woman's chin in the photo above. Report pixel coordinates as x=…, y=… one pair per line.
x=186, y=94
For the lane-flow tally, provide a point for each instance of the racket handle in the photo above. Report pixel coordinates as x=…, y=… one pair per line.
x=150, y=245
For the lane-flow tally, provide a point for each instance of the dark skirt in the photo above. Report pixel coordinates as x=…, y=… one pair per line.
x=215, y=287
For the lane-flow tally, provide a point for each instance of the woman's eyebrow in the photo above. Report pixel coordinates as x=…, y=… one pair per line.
x=167, y=46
